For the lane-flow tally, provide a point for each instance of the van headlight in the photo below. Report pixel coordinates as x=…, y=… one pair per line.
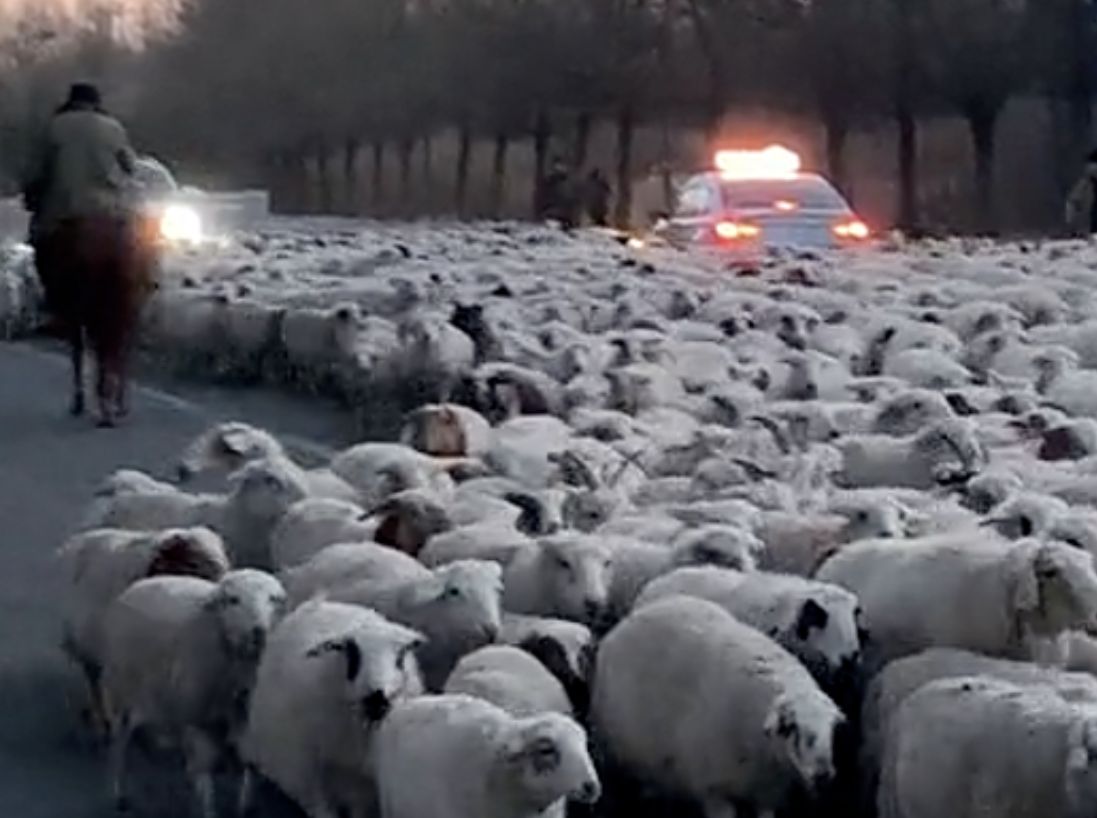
x=181, y=224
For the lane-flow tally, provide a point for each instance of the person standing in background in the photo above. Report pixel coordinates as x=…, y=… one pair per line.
x=1081, y=209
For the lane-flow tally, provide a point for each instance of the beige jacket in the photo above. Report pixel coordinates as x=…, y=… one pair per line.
x=85, y=168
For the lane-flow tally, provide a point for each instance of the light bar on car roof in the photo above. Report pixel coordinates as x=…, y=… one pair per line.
x=774, y=162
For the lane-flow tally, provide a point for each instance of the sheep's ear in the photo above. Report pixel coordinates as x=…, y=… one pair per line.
x=347, y=647
x=812, y=615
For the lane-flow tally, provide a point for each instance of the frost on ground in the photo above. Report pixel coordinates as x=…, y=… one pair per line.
x=709, y=504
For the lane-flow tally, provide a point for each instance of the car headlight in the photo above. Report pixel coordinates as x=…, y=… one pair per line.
x=181, y=223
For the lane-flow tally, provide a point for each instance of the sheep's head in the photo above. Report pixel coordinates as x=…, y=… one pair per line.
x=588, y=509
x=1054, y=587
x=576, y=572
x=1049, y=368
x=803, y=725
x=826, y=634
x=952, y=451
x=869, y=519
x=568, y=652
x=266, y=488
x=192, y=552
x=987, y=491
x=719, y=545
x=374, y=664
x=247, y=604
x=1025, y=515
x=436, y=430
x=547, y=760
x=1076, y=529
x=224, y=449
x=409, y=518
x=459, y=604
x=910, y=411
x=469, y=318
x=537, y=516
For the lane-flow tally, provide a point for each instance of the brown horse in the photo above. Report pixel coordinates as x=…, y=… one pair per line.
x=97, y=272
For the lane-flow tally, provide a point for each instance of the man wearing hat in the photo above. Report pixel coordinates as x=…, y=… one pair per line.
x=82, y=169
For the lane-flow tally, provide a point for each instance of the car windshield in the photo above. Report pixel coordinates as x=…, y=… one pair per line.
x=807, y=192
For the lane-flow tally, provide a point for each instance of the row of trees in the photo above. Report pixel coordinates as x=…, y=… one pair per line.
x=270, y=88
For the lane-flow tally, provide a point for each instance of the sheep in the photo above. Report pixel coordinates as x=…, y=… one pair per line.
x=565, y=575
x=816, y=622
x=311, y=525
x=473, y=760
x=345, y=563
x=503, y=391
x=252, y=334
x=511, y=679
x=455, y=606
x=131, y=481
x=522, y=446
x=179, y=657
x=636, y=564
x=942, y=451
x=1070, y=440
x=565, y=648
x=1025, y=515
x=100, y=564
x=408, y=519
x=798, y=543
x=690, y=700
x=330, y=674
x=908, y=412
x=377, y=470
x=1012, y=601
x=228, y=447
x=988, y=490
x=447, y=430
x=316, y=343
x=1035, y=753
x=260, y=493
x=485, y=541
x=895, y=683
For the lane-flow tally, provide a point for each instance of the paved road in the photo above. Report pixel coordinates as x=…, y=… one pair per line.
x=49, y=464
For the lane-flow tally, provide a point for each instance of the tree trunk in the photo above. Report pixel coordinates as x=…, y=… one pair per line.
x=350, y=177
x=906, y=122
x=377, y=182
x=464, y=159
x=428, y=163
x=626, y=130
x=583, y=126
x=323, y=180
x=407, y=148
x=499, y=174
x=983, y=123
x=837, y=136
x=542, y=139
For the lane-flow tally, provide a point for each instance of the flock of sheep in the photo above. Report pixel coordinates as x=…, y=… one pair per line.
x=816, y=540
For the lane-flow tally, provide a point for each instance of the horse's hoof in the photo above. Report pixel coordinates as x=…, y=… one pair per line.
x=76, y=409
x=107, y=422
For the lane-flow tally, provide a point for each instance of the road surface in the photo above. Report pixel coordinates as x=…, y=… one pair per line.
x=49, y=465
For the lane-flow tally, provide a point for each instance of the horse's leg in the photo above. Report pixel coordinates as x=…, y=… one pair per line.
x=76, y=350
x=106, y=378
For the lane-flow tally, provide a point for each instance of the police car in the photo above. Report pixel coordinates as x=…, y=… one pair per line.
x=752, y=201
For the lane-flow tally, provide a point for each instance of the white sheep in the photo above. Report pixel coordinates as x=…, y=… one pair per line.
x=378, y=470
x=690, y=700
x=896, y=682
x=493, y=541
x=460, y=757
x=816, y=622
x=99, y=565
x=259, y=495
x=447, y=430
x=179, y=658
x=345, y=563
x=455, y=606
x=228, y=447
x=941, y=451
x=1013, y=601
x=511, y=679
x=328, y=677
x=1036, y=753
x=311, y=525
x=636, y=563
x=316, y=342
x=131, y=481
x=565, y=648
x=565, y=575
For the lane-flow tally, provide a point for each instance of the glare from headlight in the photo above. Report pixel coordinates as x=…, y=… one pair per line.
x=180, y=223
